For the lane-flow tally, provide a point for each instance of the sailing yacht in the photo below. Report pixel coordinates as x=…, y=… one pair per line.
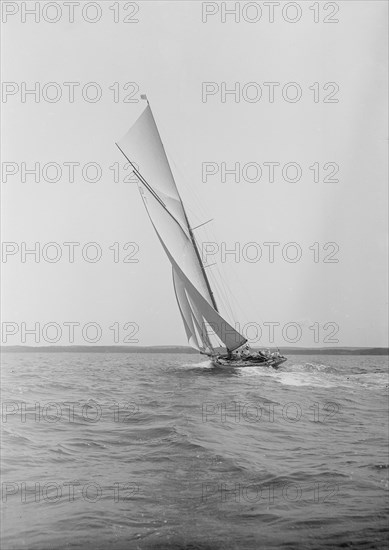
x=206, y=329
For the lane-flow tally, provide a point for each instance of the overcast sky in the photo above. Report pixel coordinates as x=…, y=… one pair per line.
x=169, y=53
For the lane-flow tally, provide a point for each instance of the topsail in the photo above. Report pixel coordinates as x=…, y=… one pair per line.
x=205, y=327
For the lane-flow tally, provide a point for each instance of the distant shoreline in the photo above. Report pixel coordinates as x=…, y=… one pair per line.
x=185, y=349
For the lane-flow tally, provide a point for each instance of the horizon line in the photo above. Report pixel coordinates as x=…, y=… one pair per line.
x=382, y=350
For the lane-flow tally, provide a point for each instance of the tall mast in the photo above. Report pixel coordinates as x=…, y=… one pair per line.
x=192, y=237
x=200, y=262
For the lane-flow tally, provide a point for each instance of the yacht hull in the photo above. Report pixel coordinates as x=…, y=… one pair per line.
x=272, y=362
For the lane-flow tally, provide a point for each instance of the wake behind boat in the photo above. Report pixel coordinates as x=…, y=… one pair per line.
x=206, y=329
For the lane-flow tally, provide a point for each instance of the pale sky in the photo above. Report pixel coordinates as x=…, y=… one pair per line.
x=169, y=53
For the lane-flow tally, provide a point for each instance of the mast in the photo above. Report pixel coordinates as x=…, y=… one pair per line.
x=167, y=214
x=200, y=262
x=192, y=237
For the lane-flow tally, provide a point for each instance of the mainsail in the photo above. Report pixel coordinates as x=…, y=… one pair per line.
x=205, y=328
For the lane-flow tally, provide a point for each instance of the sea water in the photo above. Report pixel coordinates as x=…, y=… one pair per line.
x=154, y=451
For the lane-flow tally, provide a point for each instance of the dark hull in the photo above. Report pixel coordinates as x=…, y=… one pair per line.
x=223, y=362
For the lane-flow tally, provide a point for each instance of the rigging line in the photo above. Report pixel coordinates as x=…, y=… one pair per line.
x=227, y=294
x=201, y=224
x=230, y=296
x=183, y=276
x=201, y=264
x=150, y=189
x=233, y=278
x=223, y=290
x=192, y=238
x=190, y=190
x=191, y=234
x=219, y=278
x=195, y=244
x=223, y=293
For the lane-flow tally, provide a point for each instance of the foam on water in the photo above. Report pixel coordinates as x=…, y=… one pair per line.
x=200, y=365
x=317, y=375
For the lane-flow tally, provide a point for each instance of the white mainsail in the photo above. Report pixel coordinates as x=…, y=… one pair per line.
x=205, y=327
